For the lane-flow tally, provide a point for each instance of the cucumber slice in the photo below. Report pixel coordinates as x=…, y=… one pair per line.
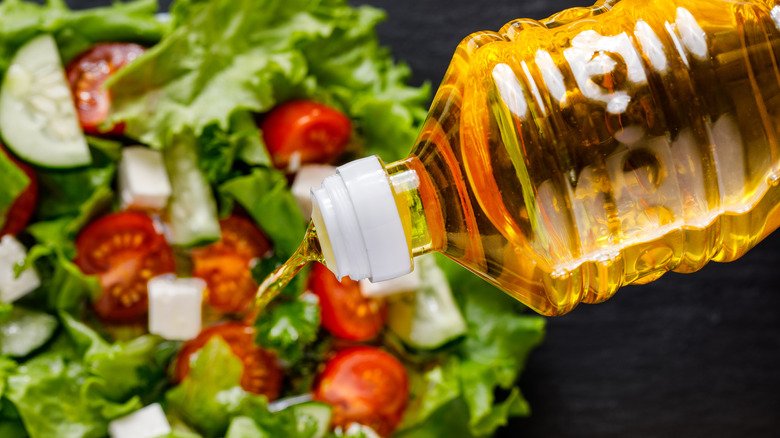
x=428, y=318
x=306, y=413
x=23, y=331
x=191, y=209
x=37, y=116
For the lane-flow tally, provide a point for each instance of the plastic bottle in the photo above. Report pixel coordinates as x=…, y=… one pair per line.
x=565, y=158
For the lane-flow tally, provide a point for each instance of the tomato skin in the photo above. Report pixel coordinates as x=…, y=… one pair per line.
x=226, y=265
x=346, y=313
x=124, y=250
x=364, y=385
x=88, y=72
x=23, y=207
x=317, y=132
x=261, y=375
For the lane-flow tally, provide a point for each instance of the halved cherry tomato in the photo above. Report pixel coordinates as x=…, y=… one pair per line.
x=364, y=385
x=346, y=313
x=316, y=132
x=22, y=209
x=124, y=250
x=86, y=75
x=226, y=265
x=261, y=375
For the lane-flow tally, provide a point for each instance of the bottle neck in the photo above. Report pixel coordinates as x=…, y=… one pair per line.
x=417, y=207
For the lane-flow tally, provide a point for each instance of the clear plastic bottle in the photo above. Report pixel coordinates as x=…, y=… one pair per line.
x=565, y=158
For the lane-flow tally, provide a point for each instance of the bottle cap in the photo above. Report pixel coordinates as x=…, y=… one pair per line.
x=358, y=223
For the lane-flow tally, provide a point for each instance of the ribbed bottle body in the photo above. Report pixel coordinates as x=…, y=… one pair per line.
x=605, y=146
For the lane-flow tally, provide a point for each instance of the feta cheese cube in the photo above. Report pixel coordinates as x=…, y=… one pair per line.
x=12, y=287
x=406, y=283
x=309, y=177
x=143, y=180
x=175, y=307
x=147, y=422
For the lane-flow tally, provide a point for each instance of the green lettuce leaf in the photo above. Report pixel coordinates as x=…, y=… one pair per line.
x=431, y=389
x=289, y=327
x=133, y=360
x=501, y=333
x=63, y=285
x=220, y=150
x=265, y=196
x=450, y=420
x=80, y=383
x=270, y=51
x=52, y=238
x=48, y=393
x=159, y=95
x=74, y=193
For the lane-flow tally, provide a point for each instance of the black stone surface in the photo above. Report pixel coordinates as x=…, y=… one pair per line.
x=687, y=356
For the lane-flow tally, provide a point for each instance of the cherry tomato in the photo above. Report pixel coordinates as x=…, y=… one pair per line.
x=364, y=385
x=124, y=250
x=346, y=313
x=226, y=265
x=23, y=207
x=261, y=375
x=316, y=132
x=86, y=75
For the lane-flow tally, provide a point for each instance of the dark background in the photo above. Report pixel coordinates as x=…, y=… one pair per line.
x=689, y=355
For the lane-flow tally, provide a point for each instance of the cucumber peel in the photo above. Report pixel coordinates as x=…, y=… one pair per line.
x=192, y=209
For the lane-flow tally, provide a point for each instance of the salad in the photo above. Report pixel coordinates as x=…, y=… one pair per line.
x=154, y=169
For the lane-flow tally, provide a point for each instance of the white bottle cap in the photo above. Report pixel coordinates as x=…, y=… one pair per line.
x=359, y=225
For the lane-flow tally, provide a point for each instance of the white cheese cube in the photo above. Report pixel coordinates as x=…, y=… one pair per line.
x=143, y=180
x=147, y=422
x=175, y=307
x=309, y=177
x=12, y=287
x=406, y=283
